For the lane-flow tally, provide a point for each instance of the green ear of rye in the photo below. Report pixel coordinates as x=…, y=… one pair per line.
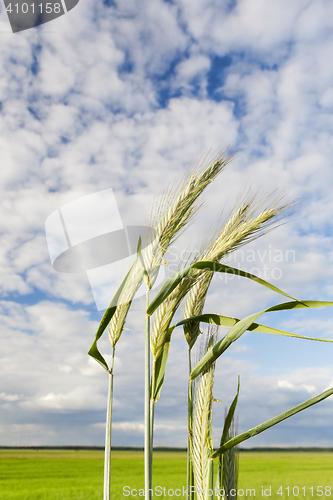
x=239, y=328
x=174, y=281
x=270, y=423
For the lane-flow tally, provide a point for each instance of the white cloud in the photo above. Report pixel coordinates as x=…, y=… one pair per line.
x=192, y=72
x=10, y=397
x=139, y=428
x=81, y=398
x=285, y=384
x=90, y=118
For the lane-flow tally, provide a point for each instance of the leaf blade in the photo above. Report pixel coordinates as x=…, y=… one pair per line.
x=107, y=316
x=229, y=417
x=166, y=289
x=160, y=367
x=222, y=268
x=271, y=422
x=239, y=328
x=220, y=320
x=172, y=282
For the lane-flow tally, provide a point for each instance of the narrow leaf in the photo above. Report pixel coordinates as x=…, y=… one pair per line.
x=166, y=289
x=226, y=427
x=229, y=418
x=215, y=319
x=172, y=282
x=93, y=351
x=270, y=423
x=139, y=247
x=113, y=304
x=222, y=268
x=239, y=328
x=160, y=367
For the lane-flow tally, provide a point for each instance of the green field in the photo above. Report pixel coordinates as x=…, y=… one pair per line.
x=78, y=474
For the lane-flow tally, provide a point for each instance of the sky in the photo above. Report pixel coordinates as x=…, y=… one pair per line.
x=125, y=95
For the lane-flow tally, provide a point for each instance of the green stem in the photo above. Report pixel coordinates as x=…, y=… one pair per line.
x=152, y=413
x=152, y=408
x=147, y=453
x=107, y=458
x=190, y=478
x=219, y=477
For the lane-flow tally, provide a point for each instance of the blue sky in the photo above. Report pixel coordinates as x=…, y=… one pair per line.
x=125, y=95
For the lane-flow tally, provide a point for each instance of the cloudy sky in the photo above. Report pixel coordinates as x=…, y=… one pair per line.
x=125, y=95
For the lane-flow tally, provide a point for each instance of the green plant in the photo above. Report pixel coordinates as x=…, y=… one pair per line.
x=170, y=216
x=246, y=222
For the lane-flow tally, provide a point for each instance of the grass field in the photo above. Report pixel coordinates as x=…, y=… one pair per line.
x=78, y=475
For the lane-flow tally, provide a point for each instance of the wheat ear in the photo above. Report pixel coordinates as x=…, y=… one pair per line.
x=230, y=466
x=168, y=218
x=243, y=226
x=202, y=423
